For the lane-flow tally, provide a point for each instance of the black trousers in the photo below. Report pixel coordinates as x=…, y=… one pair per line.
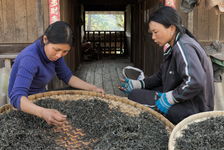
x=175, y=114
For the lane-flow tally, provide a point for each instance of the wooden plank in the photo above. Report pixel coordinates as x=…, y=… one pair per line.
x=221, y=27
x=65, y=10
x=99, y=74
x=32, y=33
x=116, y=76
x=218, y=28
x=134, y=34
x=106, y=74
x=203, y=24
x=115, y=41
x=12, y=48
x=145, y=43
x=107, y=81
x=184, y=16
x=2, y=23
x=8, y=55
x=86, y=66
x=190, y=24
x=90, y=73
x=75, y=16
x=72, y=14
x=110, y=49
x=62, y=9
x=138, y=32
x=140, y=40
x=213, y=25
x=195, y=21
x=8, y=21
x=20, y=22
x=46, y=13
x=7, y=58
x=82, y=71
x=40, y=18
x=105, y=44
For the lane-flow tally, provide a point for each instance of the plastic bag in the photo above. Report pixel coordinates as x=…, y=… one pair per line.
x=4, y=79
x=133, y=73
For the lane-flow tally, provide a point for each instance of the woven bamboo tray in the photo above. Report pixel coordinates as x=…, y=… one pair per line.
x=177, y=131
x=71, y=140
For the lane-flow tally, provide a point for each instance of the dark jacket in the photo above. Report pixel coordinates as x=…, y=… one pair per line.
x=187, y=71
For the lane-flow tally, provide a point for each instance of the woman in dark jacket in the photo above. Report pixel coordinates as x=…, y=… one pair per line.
x=185, y=76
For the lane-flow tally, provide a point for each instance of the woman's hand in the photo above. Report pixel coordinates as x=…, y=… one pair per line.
x=53, y=117
x=80, y=84
x=127, y=85
x=99, y=90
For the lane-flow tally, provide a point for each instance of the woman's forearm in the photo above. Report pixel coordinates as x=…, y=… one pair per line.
x=80, y=84
x=31, y=108
x=51, y=116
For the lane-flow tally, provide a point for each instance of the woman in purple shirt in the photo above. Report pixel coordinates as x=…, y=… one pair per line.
x=36, y=66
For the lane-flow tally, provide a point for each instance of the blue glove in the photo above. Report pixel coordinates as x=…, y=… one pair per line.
x=128, y=85
x=165, y=101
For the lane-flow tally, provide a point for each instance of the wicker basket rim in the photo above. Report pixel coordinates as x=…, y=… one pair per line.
x=125, y=100
x=187, y=121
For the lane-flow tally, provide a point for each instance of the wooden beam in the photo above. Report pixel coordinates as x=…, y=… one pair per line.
x=7, y=58
x=102, y=7
x=190, y=23
x=218, y=27
x=12, y=47
x=40, y=17
x=107, y=2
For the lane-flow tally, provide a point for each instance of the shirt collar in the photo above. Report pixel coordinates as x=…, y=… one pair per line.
x=41, y=51
x=169, y=49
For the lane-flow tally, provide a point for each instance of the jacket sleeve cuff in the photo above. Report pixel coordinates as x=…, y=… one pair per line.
x=142, y=84
x=68, y=77
x=171, y=98
x=15, y=102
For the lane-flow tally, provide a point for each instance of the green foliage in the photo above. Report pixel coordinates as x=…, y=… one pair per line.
x=104, y=22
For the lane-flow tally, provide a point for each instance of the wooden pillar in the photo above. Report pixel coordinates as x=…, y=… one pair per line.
x=7, y=58
x=40, y=17
x=218, y=27
x=190, y=23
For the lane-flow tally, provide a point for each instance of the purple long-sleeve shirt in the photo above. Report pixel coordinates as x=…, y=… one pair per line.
x=32, y=71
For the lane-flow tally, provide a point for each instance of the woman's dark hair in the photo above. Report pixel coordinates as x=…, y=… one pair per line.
x=168, y=16
x=59, y=32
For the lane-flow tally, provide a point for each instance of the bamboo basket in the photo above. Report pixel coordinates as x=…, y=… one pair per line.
x=177, y=131
x=71, y=141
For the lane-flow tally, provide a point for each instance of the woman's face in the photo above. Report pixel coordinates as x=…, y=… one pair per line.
x=55, y=51
x=160, y=34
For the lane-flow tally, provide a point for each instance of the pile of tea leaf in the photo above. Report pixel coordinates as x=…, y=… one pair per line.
x=110, y=128
x=207, y=135
x=21, y=131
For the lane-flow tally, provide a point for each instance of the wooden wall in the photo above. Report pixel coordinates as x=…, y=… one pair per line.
x=206, y=25
x=22, y=21
x=128, y=25
x=145, y=54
